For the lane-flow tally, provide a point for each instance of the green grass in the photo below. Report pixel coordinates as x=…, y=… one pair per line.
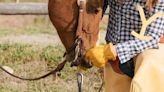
x=25, y=52
x=103, y=27
x=28, y=30
x=34, y=60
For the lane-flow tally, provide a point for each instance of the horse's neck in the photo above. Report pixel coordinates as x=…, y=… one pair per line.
x=64, y=15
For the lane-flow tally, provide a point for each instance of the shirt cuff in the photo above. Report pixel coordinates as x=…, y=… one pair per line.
x=123, y=51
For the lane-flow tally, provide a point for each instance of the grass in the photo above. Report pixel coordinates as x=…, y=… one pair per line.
x=103, y=27
x=33, y=60
x=26, y=52
x=28, y=30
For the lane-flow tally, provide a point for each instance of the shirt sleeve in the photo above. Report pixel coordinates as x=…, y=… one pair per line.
x=130, y=49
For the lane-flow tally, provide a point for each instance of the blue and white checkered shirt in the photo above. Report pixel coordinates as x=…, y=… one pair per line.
x=124, y=19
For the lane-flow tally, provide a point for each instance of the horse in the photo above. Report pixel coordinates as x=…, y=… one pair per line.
x=76, y=23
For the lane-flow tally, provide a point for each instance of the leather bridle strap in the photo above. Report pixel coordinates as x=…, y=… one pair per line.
x=76, y=46
x=81, y=14
x=81, y=4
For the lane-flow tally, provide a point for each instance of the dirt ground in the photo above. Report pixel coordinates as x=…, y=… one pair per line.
x=15, y=20
x=42, y=39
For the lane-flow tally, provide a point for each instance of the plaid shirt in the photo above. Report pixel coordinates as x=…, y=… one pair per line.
x=124, y=19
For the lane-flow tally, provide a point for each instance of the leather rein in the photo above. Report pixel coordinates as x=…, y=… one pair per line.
x=75, y=47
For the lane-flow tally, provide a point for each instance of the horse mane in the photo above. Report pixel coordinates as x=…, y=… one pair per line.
x=151, y=3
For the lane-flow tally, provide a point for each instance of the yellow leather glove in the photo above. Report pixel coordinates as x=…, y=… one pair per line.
x=99, y=55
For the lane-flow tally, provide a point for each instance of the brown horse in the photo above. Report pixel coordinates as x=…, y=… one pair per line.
x=65, y=14
x=77, y=25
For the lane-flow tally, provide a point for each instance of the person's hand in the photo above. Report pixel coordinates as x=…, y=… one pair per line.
x=99, y=55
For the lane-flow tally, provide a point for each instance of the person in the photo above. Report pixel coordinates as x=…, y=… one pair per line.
x=121, y=45
x=141, y=60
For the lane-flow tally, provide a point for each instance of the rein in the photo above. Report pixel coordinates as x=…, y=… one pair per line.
x=54, y=72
